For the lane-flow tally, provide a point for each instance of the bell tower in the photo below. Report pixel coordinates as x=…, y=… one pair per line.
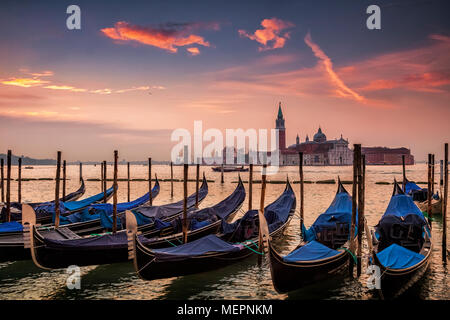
x=279, y=122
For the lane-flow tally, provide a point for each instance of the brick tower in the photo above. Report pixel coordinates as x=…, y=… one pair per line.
x=282, y=130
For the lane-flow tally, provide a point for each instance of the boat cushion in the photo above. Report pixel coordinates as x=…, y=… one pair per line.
x=313, y=250
x=397, y=257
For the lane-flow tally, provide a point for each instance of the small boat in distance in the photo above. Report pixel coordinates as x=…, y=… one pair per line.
x=28, y=167
x=230, y=169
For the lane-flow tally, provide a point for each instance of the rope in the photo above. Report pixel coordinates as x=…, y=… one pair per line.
x=174, y=245
x=352, y=254
x=245, y=245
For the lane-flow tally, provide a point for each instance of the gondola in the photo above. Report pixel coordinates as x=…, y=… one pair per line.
x=16, y=207
x=49, y=251
x=420, y=197
x=230, y=169
x=91, y=220
x=45, y=212
x=237, y=241
x=402, y=245
x=323, y=252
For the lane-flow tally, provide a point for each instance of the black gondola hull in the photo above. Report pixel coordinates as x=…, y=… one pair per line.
x=291, y=276
x=151, y=270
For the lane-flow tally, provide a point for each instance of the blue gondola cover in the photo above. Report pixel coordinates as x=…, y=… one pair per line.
x=12, y=226
x=397, y=257
x=210, y=243
x=313, y=250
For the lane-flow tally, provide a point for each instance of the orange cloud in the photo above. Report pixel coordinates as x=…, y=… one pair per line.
x=24, y=82
x=271, y=32
x=193, y=51
x=69, y=88
x=167, y=37
x=342, y=90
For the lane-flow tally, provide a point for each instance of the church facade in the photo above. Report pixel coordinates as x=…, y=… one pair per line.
x=318, y=152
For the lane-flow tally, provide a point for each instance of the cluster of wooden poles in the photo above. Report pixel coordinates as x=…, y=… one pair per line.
x=358, y=193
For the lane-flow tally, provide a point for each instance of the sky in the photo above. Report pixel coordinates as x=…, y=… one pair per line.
x=137, y=70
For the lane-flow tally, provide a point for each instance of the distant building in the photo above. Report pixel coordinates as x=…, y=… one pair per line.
x=319, y=151
x=383, y=155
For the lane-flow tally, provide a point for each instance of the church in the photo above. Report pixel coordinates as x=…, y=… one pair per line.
x=318, y=152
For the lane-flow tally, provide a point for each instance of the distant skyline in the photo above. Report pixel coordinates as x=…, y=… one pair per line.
x=137, y=70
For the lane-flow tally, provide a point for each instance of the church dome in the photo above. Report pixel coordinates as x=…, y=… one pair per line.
x=320, y=136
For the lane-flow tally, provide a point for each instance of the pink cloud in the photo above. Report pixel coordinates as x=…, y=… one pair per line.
x=193, y=51
x=270, y=36
x=167, y=36
x=341, y=88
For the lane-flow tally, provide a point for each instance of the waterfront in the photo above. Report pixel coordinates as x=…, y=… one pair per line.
x=244, y=280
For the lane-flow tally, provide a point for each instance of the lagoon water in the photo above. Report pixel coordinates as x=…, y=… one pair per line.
x=244, y=280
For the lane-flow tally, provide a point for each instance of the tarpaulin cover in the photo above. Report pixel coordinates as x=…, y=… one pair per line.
x=112, y=241
x=397, y=257
x=16, y=215
x=12, y=226
x=402, y=205
x=340, y=211
x=411, y=186
x=206, y=216
x=104, y=211
x=77, y=205
x=208, y=244
x=171, y=209
x=311, y=251
x=276, y=214
x=66, y=207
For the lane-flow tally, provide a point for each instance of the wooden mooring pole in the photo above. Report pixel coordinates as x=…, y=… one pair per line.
x=197, y=184
x=101, y=176
x=261, y=208
x=441, y=173
x=429, y=191
x=444, y=203
x=221, y=174
x=57, y=180
x=64, y=180
x=2, y=182
x=128, y=181
x=114, y=227
x=356, y=158
x=250, y=187
x=150, y=180
x=19, y=182
x=185, y=222
x=8, y=185
x=404, y=173
x=81, y=171
x=104, y=181
x=300, y=168
x=360, y=212
x=432, y=174
x=171, y=179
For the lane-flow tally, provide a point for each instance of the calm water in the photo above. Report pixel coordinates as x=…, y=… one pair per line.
x=245, y=280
